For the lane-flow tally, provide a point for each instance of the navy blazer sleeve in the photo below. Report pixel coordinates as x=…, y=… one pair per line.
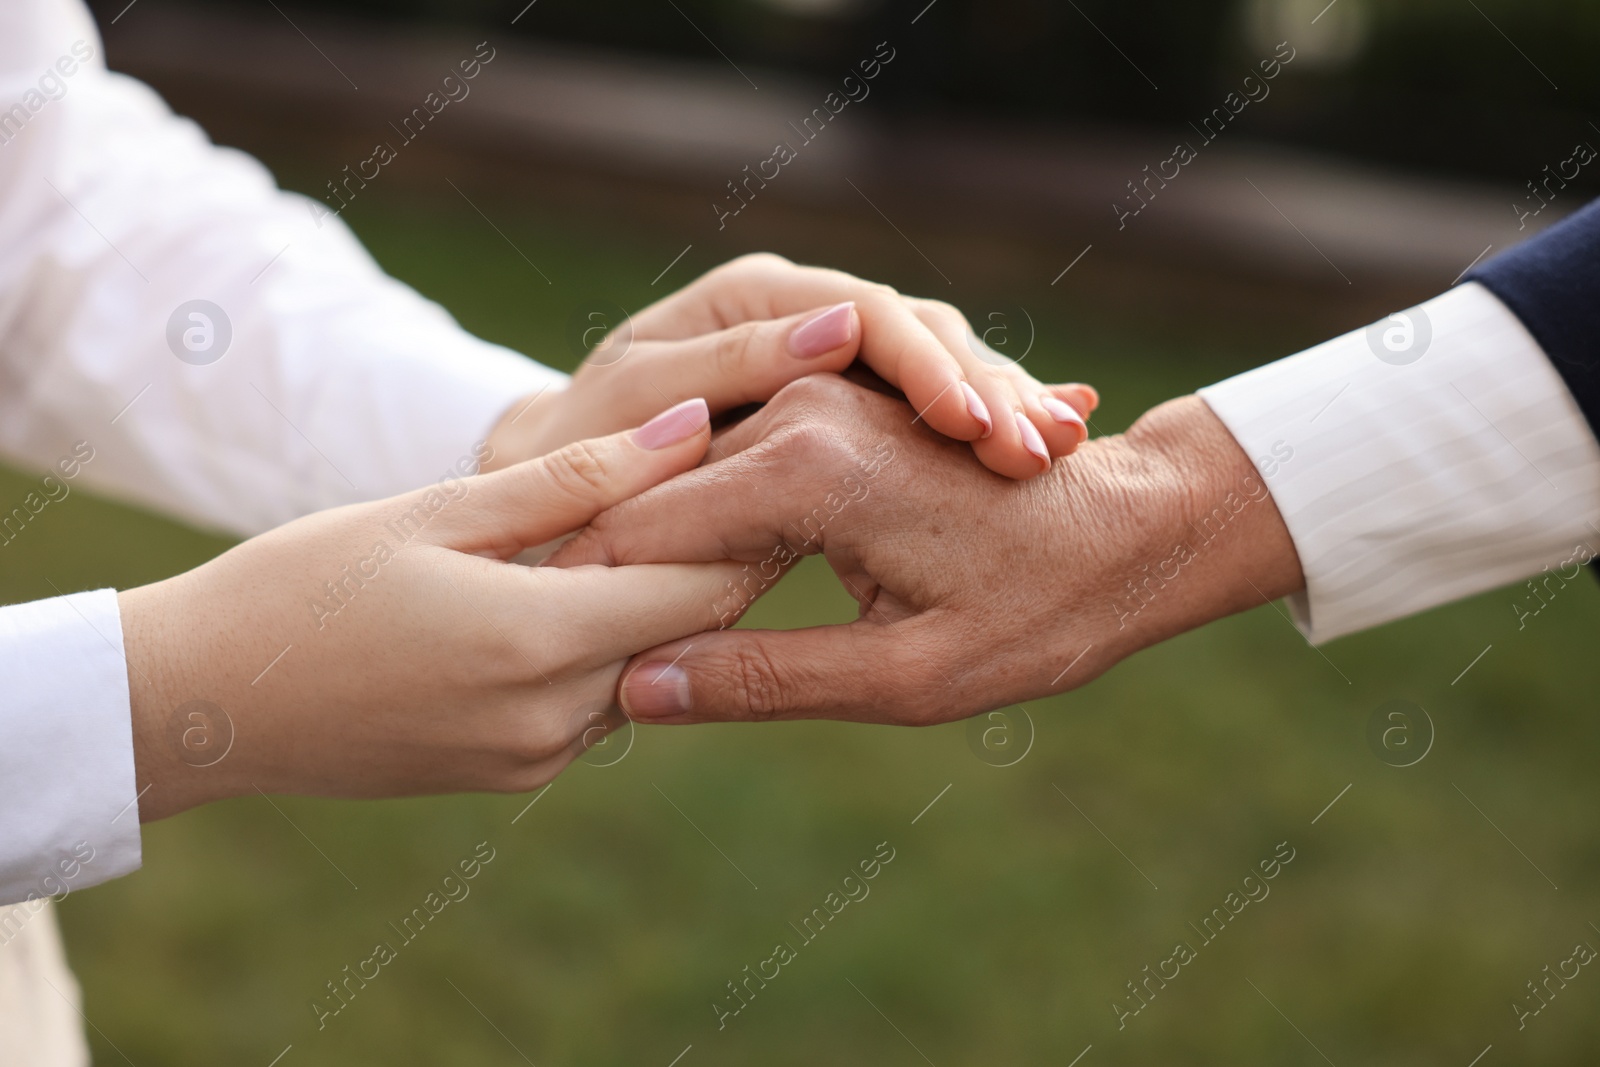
x=1552, y=283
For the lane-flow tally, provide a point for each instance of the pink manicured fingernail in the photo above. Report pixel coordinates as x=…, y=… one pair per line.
x=823, y=332
x=654, y=690
x=1065, y=413
x=677, y=423
x=1060, y=410
x=1031, y=439
x=978, y=408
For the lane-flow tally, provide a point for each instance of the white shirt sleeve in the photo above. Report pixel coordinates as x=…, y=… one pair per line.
x=177, y=332
x=307, y=378
x=1435, y=455
x=67, y=812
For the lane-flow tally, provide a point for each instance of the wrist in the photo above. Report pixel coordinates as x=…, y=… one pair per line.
x=1212, y=541
x=179, y=738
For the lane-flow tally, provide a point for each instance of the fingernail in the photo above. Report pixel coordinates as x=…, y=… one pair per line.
x=823, y=332
x=1031, y=439
x=978, y=408
x=1065, y=413
x=678, y=423
x=654, y=690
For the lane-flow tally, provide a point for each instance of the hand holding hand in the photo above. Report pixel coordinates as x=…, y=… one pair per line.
x=975, y=592
x=387, y=648
x=745, y=330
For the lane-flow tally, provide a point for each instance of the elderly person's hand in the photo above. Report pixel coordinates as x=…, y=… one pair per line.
x=975, y=591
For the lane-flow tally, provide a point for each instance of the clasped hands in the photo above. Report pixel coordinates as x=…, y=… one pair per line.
x=454, y=668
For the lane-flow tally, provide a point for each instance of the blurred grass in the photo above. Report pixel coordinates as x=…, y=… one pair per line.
x=1006, y=924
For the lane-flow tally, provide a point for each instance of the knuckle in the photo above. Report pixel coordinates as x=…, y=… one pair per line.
x=525, y=775
x=592, y=544
x=942, y=312
x=815, y=443
x=532, y=745
x=825, y=424
x=757, y=685
x=522, y=756
x=575, y=552
x=1021, y=379
x=731, y=353
x=815, y=392
x=579, y=469
x=869, y=289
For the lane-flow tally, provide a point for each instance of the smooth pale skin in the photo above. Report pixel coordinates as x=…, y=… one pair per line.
x=976, y=591
x=725, y=337
x=451, y=669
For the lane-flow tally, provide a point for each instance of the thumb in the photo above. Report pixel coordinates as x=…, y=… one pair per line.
x=860, y=671
x=542, y=499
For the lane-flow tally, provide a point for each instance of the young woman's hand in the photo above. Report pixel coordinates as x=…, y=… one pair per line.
x=389, y=648
x=743, y=331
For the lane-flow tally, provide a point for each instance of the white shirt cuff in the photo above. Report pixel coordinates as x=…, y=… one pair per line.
x=1432, y=456
x=68, y=816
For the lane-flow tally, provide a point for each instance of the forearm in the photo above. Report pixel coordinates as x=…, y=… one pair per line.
x=244, y=361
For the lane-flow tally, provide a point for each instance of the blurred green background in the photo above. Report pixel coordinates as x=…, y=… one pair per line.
x=1007, y=923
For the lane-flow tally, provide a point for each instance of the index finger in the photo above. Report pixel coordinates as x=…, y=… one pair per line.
x=895, y=343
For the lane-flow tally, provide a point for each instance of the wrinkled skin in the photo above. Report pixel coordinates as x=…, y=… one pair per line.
x=975, y=591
